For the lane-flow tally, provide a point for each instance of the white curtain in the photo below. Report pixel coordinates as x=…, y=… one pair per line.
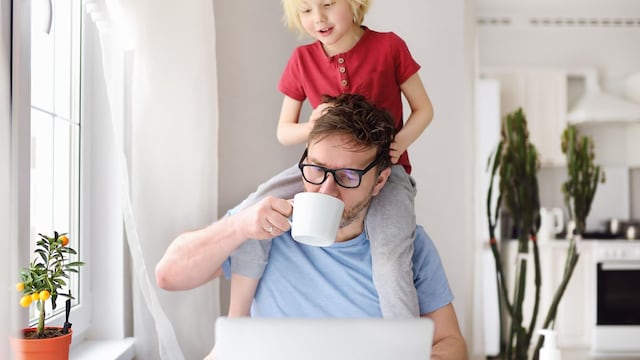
x=160, y=71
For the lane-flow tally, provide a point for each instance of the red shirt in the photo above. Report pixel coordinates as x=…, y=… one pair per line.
x=375, y=68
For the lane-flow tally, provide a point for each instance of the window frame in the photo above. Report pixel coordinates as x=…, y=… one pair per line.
x=81, y=312
x=101, y=232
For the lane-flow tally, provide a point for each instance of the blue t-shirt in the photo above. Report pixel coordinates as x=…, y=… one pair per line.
x=336, y=281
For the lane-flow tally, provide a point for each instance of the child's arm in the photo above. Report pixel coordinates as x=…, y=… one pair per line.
x=242, y=291
x=290, y=130
x=420, y=117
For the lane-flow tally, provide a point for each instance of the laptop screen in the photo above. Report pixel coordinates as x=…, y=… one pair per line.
x=315, y=339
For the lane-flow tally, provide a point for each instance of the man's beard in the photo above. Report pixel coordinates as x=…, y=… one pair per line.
x=353, y=213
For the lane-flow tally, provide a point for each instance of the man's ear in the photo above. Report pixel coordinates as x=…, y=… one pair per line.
x=381, y=180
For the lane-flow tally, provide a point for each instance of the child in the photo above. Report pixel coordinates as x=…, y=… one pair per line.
x=347, y=58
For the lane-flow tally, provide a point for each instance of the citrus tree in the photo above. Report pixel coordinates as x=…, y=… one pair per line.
x=47, y=274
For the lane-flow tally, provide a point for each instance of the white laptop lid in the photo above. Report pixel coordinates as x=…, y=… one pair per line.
x=322, y=339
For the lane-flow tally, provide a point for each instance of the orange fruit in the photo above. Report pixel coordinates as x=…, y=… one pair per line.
x=20, y=286
x=25, y=301
x=35, y=296
x=44, y=295
x=64, y=240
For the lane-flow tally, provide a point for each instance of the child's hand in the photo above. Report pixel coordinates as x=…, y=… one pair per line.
x=395, y=151
x=316, y=113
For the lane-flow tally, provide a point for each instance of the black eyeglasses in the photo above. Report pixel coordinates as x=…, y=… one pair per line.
x=345, y=177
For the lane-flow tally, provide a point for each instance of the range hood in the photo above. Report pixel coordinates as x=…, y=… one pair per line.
x=599, y=106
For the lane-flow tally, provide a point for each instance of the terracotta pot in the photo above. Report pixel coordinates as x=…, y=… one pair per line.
x=56, y=348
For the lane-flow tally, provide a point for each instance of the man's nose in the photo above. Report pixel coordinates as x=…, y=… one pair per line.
x=329, y=186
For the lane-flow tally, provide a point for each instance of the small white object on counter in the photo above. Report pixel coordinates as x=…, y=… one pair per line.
x=551, y=223
x=549, y=350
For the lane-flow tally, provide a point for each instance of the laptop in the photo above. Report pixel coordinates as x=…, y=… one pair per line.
x=321, y=339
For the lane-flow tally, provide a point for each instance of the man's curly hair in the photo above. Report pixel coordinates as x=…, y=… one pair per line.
x=365, y=124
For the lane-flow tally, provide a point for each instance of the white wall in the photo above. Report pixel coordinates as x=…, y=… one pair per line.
x=440, y=36
x=253, y=47
x=601, y=43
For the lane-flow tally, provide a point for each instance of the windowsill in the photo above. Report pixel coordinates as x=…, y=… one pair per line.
x=104, y=349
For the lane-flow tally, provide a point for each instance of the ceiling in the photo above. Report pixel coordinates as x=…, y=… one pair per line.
x=562, y=8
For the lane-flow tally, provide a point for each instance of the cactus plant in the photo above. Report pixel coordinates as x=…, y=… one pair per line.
x=584, y=176
x=579, y=191
x=515, y=162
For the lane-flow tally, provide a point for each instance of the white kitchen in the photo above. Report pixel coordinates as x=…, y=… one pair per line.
x=576, y=64
x=189, y=85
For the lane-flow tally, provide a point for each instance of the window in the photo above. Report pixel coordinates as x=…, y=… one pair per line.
x=64, y=170
x=55, y=125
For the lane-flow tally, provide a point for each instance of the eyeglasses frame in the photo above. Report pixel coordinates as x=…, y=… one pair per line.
x=360, y=172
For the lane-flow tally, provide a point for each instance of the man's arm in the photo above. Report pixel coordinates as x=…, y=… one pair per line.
x=448, y=342
x=196, y=257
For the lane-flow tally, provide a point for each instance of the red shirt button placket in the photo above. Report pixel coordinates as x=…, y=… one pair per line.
x=343, y=74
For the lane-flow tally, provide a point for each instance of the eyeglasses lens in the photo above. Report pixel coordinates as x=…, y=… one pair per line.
x=313, y=174
x=347, y=178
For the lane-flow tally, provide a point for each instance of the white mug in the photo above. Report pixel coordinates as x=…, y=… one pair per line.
x=316, y=218
x=551, y=223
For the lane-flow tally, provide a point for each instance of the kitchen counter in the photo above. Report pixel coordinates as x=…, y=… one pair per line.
x=576, y=319
x=584, y=354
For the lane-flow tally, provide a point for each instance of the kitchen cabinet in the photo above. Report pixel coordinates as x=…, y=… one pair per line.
x=633, y=145
x=542, y=95
x=576, y=313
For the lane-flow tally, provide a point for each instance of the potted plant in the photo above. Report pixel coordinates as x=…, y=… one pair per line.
x=43, y=281
x=515, y=162
x=579, y=191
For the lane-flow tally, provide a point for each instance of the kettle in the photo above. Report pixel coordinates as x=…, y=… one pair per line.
x=551, y=223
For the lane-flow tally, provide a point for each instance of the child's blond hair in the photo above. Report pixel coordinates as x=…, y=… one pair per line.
x=292, y=19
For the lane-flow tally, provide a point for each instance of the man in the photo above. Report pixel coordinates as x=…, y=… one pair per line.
x=334, y=281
